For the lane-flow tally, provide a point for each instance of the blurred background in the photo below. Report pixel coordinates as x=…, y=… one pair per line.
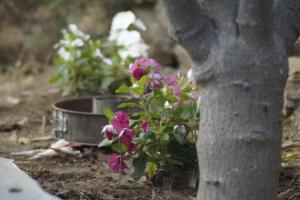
x=29, y=29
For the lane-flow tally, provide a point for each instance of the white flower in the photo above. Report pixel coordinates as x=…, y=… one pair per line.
x=168, y=105
x=122, y=20
x=190, y=76
x=64, y=54
x=108, y=128
x=180, y=129
x=132, y=44
x=77, y=43
x=99, y=54
x=140, y=25
x=74, y=29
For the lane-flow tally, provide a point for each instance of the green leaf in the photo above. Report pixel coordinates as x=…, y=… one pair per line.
x=193, y=177
x=165, y=136
x=187, y=90
x=142, y=82
x=151, y=169
x=179, y=138
x=108, y=113
x=105, y=142
x=120, y=148
x=139, y=164
x=189, y=111
x=123, y=89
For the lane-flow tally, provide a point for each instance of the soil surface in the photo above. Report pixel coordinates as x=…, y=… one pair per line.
x=25, y=121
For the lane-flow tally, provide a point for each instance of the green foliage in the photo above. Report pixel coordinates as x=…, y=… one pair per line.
x=88, y=66
x=166, y=128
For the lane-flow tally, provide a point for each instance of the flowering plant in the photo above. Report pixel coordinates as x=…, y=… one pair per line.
x=94, y=66
x=161, y=136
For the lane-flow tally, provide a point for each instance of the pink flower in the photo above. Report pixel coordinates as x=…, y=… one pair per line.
x=116, y=163
x=127, y=136
x=176, y=91
x=143, y=66
x=138, y=73
x=144, y=63
x=194, y=95
x=109, y=131
x=120, y=121
x=171, y=81
x=145, y=126
x=155, y=80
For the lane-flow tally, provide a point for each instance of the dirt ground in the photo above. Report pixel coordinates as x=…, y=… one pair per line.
x=25, y=116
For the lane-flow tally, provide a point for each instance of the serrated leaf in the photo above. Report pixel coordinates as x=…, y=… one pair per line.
x=105, y=142
x=139, y=164
x=108, y=113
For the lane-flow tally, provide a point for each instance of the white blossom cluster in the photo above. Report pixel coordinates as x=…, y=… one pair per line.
x=72, y=38
x=130, y=40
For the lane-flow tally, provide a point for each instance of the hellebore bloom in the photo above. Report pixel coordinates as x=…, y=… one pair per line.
x=126, y=138
x=155, y=80
x=194, y=95
x=138, y=73
x=176, y=91
x=120, y=121
x=116, y=163
x=147, y=63
x=180, y=129
x=144, y=63
x=109, y=131
x=145, y=126
x=171, y=81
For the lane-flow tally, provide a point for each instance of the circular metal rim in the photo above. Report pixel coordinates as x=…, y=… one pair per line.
x=56, y=107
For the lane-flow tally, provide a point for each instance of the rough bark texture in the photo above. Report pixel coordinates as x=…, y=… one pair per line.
x=239, y=48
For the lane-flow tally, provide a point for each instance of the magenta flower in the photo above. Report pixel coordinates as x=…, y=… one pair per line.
x=120, y=121
x=109, y=131
x=155, y=80
x=171, y=81
x=144, y=63
x=138, y=73
x=142, y=66
x=116, y=163
x=126, y=138
x=176, y=91
x=194, y=95
x=145, y=126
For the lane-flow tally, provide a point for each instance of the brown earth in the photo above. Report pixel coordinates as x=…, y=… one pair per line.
x=25, y=115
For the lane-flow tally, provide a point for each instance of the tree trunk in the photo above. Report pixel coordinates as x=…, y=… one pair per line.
x=239, y=48
x=241, y=122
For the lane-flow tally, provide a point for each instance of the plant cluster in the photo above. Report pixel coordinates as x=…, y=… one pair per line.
x=161, y=136
x=95, y=66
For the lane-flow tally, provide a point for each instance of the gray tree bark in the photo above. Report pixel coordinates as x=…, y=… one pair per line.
x=239, y=49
